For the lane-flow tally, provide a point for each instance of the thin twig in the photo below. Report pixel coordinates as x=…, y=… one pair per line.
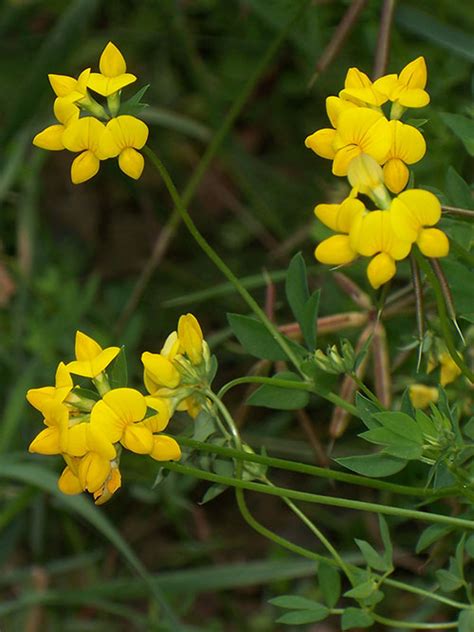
x=383, y=40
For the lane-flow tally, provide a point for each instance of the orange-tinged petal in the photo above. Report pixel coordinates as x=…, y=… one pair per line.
x=433, y=242
x=137, y=438
x=190, y=337
x=69, y=483
x=128, y=131
x=112, y=62
x=50, y=138
x=93, y=470
x=381, y=269
x=165, y=449
x=105, y=86
x=46, y=442
x=414, y=75
x=321, y=142
x=395, y=174
x=335, y=250
x=161, y=370
x=131, y=162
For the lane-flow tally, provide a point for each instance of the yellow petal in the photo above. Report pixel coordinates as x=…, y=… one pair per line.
x=65, y=111
x=377, y=140
x=433, y=242
x=354, y=125
x=73, y=441
x=159, y=421
x=40, y=398
x=412, y=210
x=84, y=167
x=190, y=337
x=386, y=84
x=408, y=143
x=422, y=396
x=395, y=174
x=99, y=443
x=131, y=162
x=69, y=483
x=82, y=81
x=127, y=403
x=321, y=142
x=50, y=138
x=161, y=370
x=171, y=346
x=343, y=159
x=107, y=422
x=327, y=214
x=85, y=133
x=62, y=84
x=102, y=361
x=110, y=486
x=165, y=449
x=46, y=442
x=414, y=75
x=128, y=131
x=449, y=369
x=381, y=269
x=334, y=107
x=105, y=86
x=414, y=98
x=359, y=89
x=365, y=173
x=137, y=438
x=93, y=470
x=335, y=250
x=112, y=62
x=373, y=234
x=86, y=348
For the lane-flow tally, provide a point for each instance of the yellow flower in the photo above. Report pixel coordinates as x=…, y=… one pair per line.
x=84, y=135
x=109, y=487
x=118, y=415
x=372, y=234
x=337, y=250
x=422, y=396
x=335, y=106
x=113, y=74
x=359, y=130
x=126, y=135
x=414, y=210
x=190, y=338
x=449, y=369
x=59, y=437
x=51, y=138
x=91, y=359
x=408, y=147
x=69, y=88
x=407, y=88
x=359, y=89
x=42, y=398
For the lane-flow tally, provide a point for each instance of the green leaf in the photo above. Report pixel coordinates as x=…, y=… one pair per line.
x=309, y=320
x=363, y=590
x=301, y=617
x=373, y=559
x=463, y=127
x=280, y=398
x=366, y=409
x=133, y=106
x=458, y=190
x=214, y=490
x=204, y=426
x=449, y=582
x=118, y=374
x=296, y=286
x=469, y=428
x=256, y=339
x=431, y=534
x=395, y=445
x=387, y=542
x=374, y=465
x=295, y=602
x=466, y=621
x=401, y=424
x=470, y=546
x=329, y=583
x=355, y=618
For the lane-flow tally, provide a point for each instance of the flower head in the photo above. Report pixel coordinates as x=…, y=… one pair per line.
x=359, y=89
x=84, y=135
x=125, y=135
x=407, y=88
x=408, y=146
x=113, y=74
x=337, y=250
x=91, y=359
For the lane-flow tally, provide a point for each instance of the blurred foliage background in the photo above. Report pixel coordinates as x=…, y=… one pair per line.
x=71, y=257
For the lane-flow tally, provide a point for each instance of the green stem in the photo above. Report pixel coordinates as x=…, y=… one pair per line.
x=443, y=317
x=365, y=389
x=332, y=501
x=291, y=384
x=314, y=470
x=216, y=259
x=415, y=625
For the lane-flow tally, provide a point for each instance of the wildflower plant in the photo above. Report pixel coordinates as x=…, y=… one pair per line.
x=385, y=219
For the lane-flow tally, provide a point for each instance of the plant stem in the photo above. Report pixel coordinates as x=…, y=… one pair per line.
x=314, y=470
x=443, y=315
x=332, y=501
x=216, y=259
x=290, y=384
x=414, y=625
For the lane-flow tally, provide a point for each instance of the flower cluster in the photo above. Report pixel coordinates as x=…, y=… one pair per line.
x=95, y=131
x=90, y=431
x=373, y=151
